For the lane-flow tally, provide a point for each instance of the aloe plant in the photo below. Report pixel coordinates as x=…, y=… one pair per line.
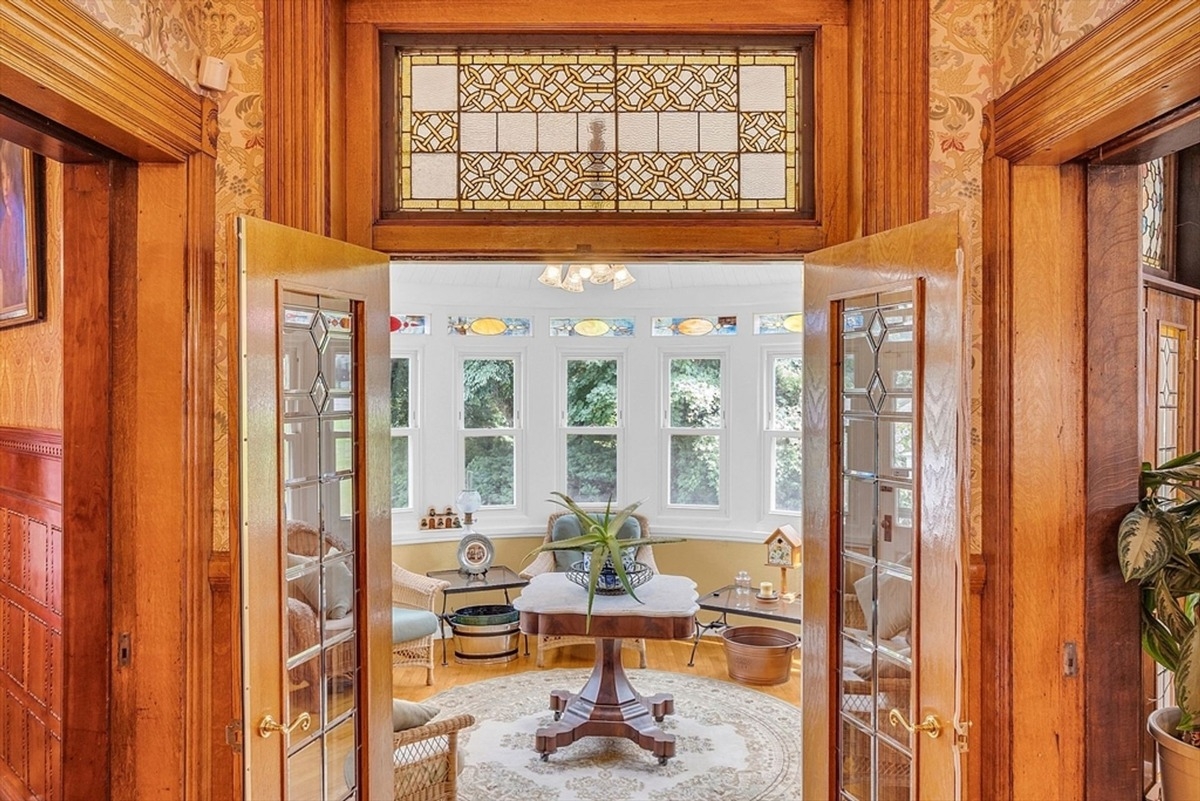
x=1158, y=545
x=599, y=537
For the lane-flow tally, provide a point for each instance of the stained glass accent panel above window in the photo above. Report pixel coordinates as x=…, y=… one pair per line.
x=600, y=129
x=1154, y=188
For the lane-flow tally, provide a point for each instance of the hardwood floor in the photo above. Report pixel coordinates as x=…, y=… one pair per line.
x=660, y=655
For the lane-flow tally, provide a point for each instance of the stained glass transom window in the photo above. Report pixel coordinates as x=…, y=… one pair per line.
x=1154, y=189
x=598, y=129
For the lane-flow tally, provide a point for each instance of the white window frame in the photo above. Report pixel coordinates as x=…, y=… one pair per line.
x=564, y=430
x=720, y=432
x=412, y=430
x=770, y=433
x=516, y=432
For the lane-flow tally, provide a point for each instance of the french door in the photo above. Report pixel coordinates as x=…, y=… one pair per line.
x=314, y=537
x=885, y=426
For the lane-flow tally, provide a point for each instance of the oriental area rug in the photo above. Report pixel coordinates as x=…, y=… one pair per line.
x=733, y=743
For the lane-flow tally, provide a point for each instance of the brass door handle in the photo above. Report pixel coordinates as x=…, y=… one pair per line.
x=930, y=725
x=268, y=725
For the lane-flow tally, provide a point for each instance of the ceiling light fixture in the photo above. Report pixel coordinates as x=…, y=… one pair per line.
x=571, y=277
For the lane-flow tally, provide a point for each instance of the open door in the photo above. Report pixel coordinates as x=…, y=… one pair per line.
x=315, y=538
x=884, y=505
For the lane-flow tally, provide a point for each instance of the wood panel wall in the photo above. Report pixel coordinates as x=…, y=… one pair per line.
x=1060, y=427
x=31, y=613
x=303, y=124
x=895, y=109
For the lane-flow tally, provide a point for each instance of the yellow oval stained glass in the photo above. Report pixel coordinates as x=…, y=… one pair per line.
x=695, y=326
x=591, y=328
x=794, y=323
x=488, y=326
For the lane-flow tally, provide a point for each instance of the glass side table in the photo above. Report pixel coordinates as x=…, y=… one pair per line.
x=727, y=602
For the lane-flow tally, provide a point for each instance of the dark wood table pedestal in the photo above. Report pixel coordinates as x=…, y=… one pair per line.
x=608, y=705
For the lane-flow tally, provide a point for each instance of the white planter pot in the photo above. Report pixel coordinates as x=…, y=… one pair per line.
x=1180, y=762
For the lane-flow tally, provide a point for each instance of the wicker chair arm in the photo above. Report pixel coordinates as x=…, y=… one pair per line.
x=414, y=590
x=645, y=555
x=434, y=728
x=544, y=563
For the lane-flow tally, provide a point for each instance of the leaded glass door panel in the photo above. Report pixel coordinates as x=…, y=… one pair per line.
x=884, y=510
x=314, y=496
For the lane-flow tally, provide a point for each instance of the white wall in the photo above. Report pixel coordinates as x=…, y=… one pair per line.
x=511, y=290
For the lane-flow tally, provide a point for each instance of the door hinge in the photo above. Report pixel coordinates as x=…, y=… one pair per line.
x=961, y=730
x=233, y=736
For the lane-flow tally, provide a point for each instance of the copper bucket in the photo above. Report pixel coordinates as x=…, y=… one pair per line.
x=759, y=654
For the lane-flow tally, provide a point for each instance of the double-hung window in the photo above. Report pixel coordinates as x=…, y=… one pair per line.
x=403, y=430
x=490, y=420
x=783, y=444
x=695, y=430
x=590, y=428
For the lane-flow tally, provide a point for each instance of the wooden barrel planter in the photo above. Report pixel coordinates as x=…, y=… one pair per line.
x=485, y=635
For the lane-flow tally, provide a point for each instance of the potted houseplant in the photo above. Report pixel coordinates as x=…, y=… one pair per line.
x=600, y=544
x=1158, y=545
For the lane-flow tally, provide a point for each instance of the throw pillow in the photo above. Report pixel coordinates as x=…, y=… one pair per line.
x=887, y=668
x=410, y=714
x=895, y=604
x=339, y=587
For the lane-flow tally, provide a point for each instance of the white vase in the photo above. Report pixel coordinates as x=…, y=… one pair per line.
x=1179, y=762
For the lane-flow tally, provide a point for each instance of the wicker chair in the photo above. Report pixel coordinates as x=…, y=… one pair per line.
x=547, y=563
x=413, y=591
x=425, y=760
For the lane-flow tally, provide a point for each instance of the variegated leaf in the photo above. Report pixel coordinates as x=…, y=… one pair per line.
x=1187, y=681
x=1143, y=542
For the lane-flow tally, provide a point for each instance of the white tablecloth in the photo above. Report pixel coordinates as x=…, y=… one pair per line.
x=661, y=596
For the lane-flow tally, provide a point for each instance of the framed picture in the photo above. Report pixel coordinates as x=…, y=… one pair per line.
x=22, y=260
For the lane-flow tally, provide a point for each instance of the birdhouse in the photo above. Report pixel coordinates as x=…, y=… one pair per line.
x=783, y=547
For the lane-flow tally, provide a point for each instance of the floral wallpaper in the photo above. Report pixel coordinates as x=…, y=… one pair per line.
x=1029, y=33
x=960, y=85
x=977, y=51
x=175, y=34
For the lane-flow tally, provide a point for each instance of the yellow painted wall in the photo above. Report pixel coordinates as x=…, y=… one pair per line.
x=710, y=563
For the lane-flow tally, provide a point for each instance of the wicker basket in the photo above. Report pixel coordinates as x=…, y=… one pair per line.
x=759, y=654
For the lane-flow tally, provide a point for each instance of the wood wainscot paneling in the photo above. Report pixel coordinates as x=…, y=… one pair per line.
x=1061, y=337
x=139, y=381
x=31, y=614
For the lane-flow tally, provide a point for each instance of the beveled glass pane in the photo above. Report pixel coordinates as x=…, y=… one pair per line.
x=592, y=467
x=305, y=777
x=488, y=393
x=894, y=608
x=400, y=390
x=858, y=446
x=337, y=582
x=895, y=774
x=695, y=469
x=896, y=442
x=337, y=445
x=858, y=682
x=299, y=456
x=592, y=392
x=303, y=682
x=858, y=599
x=858, y=514
x=786, y=460
x=400, y=474
x=787, y=412
x=340, y=678
x=857, y=765
x=302, y=502
x=298, y=361
x=336, y=362
x=340, y=770
x=491, y=463
x=303, y=587
x=695, y=393
x=337, y=507
x=894, y=528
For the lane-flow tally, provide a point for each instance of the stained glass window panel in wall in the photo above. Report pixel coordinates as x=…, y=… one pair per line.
x=599, y=129
x=1154, y=189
